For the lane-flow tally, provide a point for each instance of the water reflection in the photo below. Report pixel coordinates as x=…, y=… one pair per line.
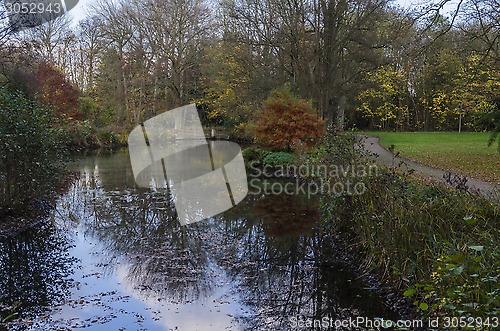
x=256, y=266
x=285, y=265
x=139, y=228
x=34, y=268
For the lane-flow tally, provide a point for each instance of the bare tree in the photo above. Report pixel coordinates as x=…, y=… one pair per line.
x=350, y=44
x=5, y=25
x=322, y=45
x=118, y=32
x=158, y=44
x=51, y=40
x=481, y=22
x=90, y=38
x=174, y=31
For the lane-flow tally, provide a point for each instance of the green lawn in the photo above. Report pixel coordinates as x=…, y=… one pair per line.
x=466, y=153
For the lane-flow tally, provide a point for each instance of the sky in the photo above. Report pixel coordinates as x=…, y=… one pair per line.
x=79, y=12
x=450, y=6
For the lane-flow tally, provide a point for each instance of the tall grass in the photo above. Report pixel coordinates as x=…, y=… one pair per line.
x=436, y=246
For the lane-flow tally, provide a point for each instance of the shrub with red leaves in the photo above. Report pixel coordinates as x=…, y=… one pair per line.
x=286, y=120
x=52, y=88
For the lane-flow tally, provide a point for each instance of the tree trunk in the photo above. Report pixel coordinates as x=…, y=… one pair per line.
x=341, y=112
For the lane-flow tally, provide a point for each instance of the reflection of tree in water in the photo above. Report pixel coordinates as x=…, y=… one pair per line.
x=34, y=268
x=286, y=216
x=271, y=246
x=139, y=228
x=286, y=264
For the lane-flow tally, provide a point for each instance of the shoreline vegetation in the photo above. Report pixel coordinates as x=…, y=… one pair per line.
x=430, y=250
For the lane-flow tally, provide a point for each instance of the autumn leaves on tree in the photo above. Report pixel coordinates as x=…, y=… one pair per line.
x=51, y=87
x=286, y=121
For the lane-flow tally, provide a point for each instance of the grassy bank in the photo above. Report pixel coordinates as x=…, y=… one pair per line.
x=436, y=247
x=466, y=153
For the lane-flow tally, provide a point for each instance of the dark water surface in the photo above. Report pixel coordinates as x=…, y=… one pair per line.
x=114, y=257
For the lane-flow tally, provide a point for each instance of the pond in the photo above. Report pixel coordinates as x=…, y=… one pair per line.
x=113, y=256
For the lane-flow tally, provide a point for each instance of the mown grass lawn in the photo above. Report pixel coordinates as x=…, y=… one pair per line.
x=466, y=153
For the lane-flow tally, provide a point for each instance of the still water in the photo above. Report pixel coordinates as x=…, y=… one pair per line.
x=113, y=256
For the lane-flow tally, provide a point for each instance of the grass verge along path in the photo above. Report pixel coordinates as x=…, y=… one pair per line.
x=465, y=153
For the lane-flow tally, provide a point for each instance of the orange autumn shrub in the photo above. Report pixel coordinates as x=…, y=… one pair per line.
x=286, y=120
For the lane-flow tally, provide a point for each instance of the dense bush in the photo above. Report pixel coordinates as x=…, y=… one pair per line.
x=258, y=157
x=110, y=136
x=29, y=152
x=83, y=134
x=254, y=155
x=90, y=111
x=276, y=159
x=77, y=133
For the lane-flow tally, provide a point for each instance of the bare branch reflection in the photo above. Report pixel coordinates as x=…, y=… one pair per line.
x=34, y=268
x=269, y=251
x=139, y=229
x=287, y=266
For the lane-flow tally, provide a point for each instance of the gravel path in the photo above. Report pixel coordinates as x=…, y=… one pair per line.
x=491, y=191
